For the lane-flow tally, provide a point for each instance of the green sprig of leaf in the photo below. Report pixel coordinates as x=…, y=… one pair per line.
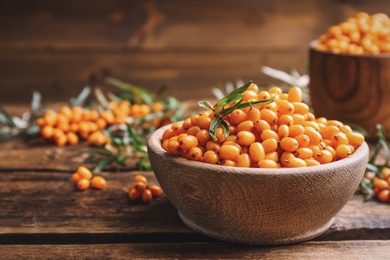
x=221, y=109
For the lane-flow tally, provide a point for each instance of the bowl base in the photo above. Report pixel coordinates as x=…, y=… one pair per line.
x=258, y=241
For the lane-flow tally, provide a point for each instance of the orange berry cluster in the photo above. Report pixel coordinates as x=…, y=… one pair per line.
x=141, y=190
x=382, y=185
x=362, y=34
x=70, y=124
x=83, y=179
x=283, y=133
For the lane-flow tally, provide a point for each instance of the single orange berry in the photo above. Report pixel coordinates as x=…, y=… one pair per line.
x=155, y=190
x=134, y=194
x=147, y=196
x=76, y=177
x=140, y=178
x=83, y=184
x=98, y=182
x=84, y=172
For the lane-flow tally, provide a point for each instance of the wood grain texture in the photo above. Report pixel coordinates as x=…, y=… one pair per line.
x=56, y=47
x=348, y=250
x=46, y=208
x=256, y=206
x=351, y=88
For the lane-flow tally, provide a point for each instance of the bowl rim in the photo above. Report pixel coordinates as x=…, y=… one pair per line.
x=313, y=43
x=154, y=145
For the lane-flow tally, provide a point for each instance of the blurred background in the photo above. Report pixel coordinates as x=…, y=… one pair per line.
x=185, y=47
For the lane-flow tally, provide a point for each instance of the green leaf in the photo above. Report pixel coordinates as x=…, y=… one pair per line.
x=103, y=163
x=229, y=110
x=205, y=104
x=6, y=118
x=232, y=95
x=213, y=127
x=255, y=103
x=371, y=167
x=225, y=127
x=80, y=98
x=35, y=102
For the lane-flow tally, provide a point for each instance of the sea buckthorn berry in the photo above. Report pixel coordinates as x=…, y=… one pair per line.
x=243, y=160
x=275, y=91
x=315, y=136
x=286, y=120
x=256, y=152
x=140, y=178
x=328, y=131
x=134, y=194
x=385, y=172
x=300, y=108
x=253, y=114
x=289, y=144
x=270, y=145
x=195, y=153
x=355, y=139
x=155, y=190
x=299, y=119
x=140, y=186
x=83, y=184
x=193, y=130
x=245, y=126
x=211, y=157
x=285, y=107
x=84, y=172
x=295, y=130
x=47, y=131
x=304, y=153
x=245, y=138
x=229, y=152
x=237, y=117
x=261, y=125
x=381, y=184
x=323, y=156
x=173, y=147
x=267, y=164
x=76, y=177
x=338, y=139
x=295, y=163
x=98, y=182
x=311, y=162
x=303, y=140
x=72, y=138
x=263, y=95
x=384, y=195
x=283, y=131
x=266, y=134
x=212, y=146
x=343, y=151
x=295, y=94
x=187, y=142
x=229, y=163
x=269, y=116
x=147, y=196
x=203, y=136
x=274, y=156
x=220, y=134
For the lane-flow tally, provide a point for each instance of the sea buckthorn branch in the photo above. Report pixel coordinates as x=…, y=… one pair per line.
x=226, y=105
x=12, y=126
x=376, y=180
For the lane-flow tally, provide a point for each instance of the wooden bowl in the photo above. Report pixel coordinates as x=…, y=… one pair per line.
x=256, y=206
x=354, y=89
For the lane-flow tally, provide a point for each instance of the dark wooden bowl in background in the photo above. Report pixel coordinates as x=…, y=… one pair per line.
x=354, y=89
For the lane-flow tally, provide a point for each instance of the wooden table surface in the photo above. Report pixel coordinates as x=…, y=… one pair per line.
x=43, y=215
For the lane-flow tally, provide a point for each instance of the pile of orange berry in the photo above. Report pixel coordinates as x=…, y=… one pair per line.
x=382, y=185
x=69, y=125
x=358, y=35
x=140, y=190
x=283, y=133
x=83, y=179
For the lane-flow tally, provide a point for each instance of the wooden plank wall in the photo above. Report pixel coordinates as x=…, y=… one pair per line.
x=57, y=47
